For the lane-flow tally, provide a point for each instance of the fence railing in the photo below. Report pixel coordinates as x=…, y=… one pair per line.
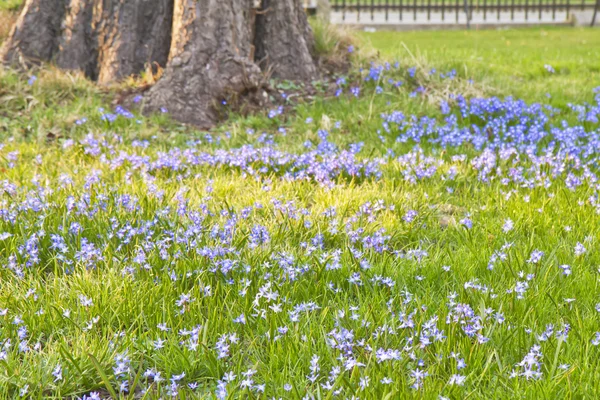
x=462, y=11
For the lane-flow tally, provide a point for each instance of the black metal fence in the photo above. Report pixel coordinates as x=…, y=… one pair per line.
x=464, y=10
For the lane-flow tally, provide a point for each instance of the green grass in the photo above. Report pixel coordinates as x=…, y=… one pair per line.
x=365, y=5
x=10, y=5
x=510, y=62
x=134, y=209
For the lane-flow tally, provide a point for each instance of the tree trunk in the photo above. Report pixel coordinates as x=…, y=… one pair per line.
x=284, y=40
x=132, y=35
x=77, y=48
x=210, y=57
x=34, y=37
x=106, y=39
x=211, y=49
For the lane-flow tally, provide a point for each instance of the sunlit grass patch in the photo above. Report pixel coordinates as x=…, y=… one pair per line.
x=409, y=236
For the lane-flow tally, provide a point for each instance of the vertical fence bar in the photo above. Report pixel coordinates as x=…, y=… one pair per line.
x=414, y=10
x=568, y=9
x=498, y=8
x=485, y=10
x=443, y=10
x=471, y=6
x=456, y=8
x=470, y=9
x=466, y=7
x=595, y=13
x=401, y=10
x=541, y=6
x=387, y=10
x=553, y=10
x=526, y=10
x=428, y=10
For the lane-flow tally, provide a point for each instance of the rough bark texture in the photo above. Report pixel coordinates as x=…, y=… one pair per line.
x=210, y=58
x=34, y=38
x=284, y=41
x=77, y=49
x=212, y=49
x=132, y=34
x=106, y=39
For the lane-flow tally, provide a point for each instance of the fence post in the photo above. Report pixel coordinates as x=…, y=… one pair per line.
x=324, y=10
x=595, y=13
x=466, y=3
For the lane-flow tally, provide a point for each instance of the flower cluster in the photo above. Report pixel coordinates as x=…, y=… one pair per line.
x=453, y=256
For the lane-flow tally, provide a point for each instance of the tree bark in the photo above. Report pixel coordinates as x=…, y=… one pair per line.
x=284, y=40
x=211, y=49
x=210, y=57
x=34, y=37
x=106, y=39
x=77, y=49
x=132, y=35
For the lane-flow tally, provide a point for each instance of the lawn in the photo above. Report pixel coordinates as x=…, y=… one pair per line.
x=365, y=6
x=431, y=232
x=511, y=62
x=10, y=5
